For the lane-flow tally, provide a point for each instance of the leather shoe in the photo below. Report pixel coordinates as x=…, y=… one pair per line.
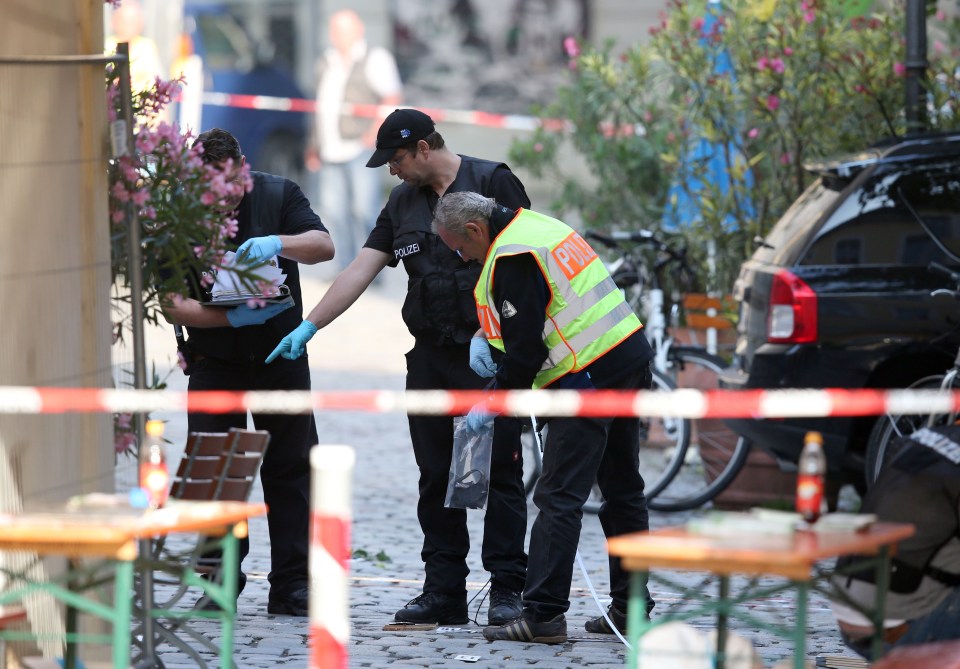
x=294, y=603
x=504, y=607
x=599, y=625
x=434, y=607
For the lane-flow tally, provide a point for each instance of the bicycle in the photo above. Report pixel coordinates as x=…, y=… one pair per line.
x=672, y=471
x=883, y=437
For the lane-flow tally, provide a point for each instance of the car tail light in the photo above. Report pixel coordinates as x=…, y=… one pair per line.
x=792, y=318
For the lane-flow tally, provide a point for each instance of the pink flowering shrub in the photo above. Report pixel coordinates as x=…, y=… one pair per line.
x=797, y=84
x=183, y=235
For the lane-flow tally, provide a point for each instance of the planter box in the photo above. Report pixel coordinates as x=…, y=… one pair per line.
x=761, y=482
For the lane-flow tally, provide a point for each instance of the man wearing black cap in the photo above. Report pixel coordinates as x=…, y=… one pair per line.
x=441, y=315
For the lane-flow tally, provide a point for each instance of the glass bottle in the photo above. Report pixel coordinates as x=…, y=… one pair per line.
x=154, y=475
x=812, y=469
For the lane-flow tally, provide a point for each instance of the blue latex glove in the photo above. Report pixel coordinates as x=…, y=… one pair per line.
x=257, y=250
x=243, y=315
x=480, y=359
x=479, y=417
x=292, y=346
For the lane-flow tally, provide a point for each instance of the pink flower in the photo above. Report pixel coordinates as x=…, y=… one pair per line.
x=777, y=65
x=941, y=16
x=538, y=147
x=697, y=24
x=939, y=47
x=571, y=47
x=120, y=192
x=773, y=102
x=809, y=17
x=900, y=69
x=763, y=63
x=753, y=133
x=787, y=51
x=786, y=159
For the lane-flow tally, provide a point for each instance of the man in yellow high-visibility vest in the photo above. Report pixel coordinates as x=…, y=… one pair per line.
x=555, y=319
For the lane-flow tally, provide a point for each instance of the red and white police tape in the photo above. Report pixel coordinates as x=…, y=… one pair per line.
x=464, y=116
x=685, y=403
x=330, y=515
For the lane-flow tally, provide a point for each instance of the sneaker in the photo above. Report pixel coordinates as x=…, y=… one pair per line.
x=504, y=607
x=294, y=603
x=527, y=629
x=434, y=607
x=599, y=624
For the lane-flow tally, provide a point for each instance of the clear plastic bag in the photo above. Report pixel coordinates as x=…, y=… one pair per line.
x=469, y=481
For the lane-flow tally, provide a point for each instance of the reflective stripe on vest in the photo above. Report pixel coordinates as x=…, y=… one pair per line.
x=586, y=315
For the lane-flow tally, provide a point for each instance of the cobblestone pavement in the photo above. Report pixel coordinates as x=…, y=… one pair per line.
x=364, y=350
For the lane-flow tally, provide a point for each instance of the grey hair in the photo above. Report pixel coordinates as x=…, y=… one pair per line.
x=455, y=210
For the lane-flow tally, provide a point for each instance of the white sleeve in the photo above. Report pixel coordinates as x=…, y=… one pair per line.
x=382, y=72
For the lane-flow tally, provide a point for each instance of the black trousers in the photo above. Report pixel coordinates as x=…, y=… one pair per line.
x=577, y=452
x=446, y=542
x=285, y=472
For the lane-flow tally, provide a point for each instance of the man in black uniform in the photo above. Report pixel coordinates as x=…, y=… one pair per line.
x=226, y=349
x=440, y=314
x=920, y=485
x=550, y=306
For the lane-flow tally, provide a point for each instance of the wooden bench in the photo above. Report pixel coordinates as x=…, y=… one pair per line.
x=704, y=311
x=936, y=655
x=219, y=466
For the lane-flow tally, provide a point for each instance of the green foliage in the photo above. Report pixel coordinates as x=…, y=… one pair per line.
x=804, y=83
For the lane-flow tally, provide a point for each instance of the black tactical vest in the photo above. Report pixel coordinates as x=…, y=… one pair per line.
x=439, y=308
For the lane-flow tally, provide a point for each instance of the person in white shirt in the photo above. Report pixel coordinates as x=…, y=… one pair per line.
x=350, y=74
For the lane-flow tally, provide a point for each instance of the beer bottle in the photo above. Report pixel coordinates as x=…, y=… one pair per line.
x=811, y=471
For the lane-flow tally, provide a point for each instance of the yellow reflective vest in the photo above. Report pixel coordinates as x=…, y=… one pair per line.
x=586, y=315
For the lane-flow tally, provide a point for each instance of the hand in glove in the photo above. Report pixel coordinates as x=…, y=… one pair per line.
x=293, y=345
x=257, y=250
x=480, y=417
x=243, y=315
x=481, y=361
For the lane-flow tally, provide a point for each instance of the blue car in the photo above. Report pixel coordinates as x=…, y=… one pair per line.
x=273, y=140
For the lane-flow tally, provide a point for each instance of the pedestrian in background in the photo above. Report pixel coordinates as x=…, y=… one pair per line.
x=350, y=73
x=440, y=314
x=227, y=346
x=547, y=302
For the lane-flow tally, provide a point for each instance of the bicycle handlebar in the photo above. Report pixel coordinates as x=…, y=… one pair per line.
x=937, y=268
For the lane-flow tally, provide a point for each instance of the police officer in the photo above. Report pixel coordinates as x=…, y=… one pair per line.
x=440, y=314
x=226, y=348
x=547, y=302
x=920, y=485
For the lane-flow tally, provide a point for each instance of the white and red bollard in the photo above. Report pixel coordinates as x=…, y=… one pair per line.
x=330, y=489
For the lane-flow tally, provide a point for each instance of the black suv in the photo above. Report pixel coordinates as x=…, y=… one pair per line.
x=838, y=294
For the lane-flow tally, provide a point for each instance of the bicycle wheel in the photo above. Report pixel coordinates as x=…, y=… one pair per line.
x=888, y=428
x=716, y=453
x=663, y=445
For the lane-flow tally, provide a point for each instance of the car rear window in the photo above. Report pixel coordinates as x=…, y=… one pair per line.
x=782, y=244
x=878, y=223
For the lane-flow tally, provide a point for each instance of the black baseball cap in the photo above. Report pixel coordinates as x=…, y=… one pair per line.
x=401, y=128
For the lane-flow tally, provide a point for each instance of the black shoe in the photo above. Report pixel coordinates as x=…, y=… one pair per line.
x=294, y=603
x=504, y=607
x=434, y=607
x=599, y=624
x=527, y=629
